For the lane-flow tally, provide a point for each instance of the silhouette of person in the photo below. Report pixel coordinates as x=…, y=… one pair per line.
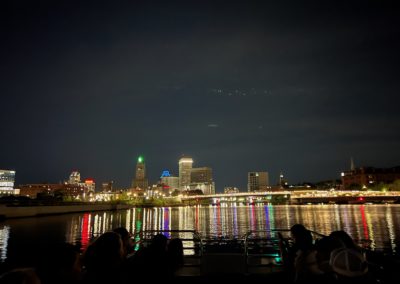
x=175, y=255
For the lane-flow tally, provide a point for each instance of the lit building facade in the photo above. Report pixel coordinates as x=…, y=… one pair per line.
x=205, y=187
x=257, y=181
x=107, y=186
x=231, y=189
x=140, y=179
x=202, y=178
x=66, y=190
x=168, y=181
x=90, y=185
x=74, y=178
x=185, y=168
x=367, y=177
x=7, y=179
x=199, y=175
x=86, y=188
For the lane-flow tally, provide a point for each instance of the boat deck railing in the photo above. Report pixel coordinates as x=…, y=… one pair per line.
x=256, y=252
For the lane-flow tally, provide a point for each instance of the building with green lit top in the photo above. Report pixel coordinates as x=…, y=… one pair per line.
x=140, y=179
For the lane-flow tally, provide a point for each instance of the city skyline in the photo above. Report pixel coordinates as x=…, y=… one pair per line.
x=201, y=175
x=240, y=86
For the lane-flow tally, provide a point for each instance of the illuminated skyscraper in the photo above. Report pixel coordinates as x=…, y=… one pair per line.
x=7, y=179
x=140, y=179
x=201, y=178
x=257, y=181
x=185, y=168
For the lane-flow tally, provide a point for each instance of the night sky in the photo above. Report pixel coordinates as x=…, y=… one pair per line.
x=292, y=86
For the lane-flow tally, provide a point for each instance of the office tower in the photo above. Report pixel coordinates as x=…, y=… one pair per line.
x=201, y=178
x=185, y=168
x=7, y=179
x=140, y=179
x=257, y=181
x=74, y=178
x=203, y=174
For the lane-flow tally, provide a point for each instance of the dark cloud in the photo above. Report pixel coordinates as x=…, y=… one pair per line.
x=239, y=85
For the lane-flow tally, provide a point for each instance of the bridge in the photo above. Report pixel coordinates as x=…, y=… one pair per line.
x=299, y=197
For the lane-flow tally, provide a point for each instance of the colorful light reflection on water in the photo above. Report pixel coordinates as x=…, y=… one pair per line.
x=378, y=224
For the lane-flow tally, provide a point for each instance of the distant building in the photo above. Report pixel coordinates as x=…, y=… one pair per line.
x=168, y=181
x=282, y=181
x=90, y=186
x=202, y=179
x=140, y=180
x=231, y=189
x=66, y=190
x=368, y=177
x=257, y=181
x=74, y=178
x=205, y=187
x=185, y=168
x=7, y=179
x=201, y=175
x=107, y=186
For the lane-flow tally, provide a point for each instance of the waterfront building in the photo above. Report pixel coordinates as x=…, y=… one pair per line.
x=231, y=189
x=367, y=177
x=87, y=187
x=49, y=189
x=185, y=168
x=140, y=180
x=257, y=181
x=107, y=186
x=90, y=186
x=7, y=179
x=205, y=187
x=168, y=181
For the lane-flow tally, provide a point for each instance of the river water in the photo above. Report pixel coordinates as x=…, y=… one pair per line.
x=21, y=239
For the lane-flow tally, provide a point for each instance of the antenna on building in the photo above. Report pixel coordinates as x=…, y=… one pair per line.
x=352, y=164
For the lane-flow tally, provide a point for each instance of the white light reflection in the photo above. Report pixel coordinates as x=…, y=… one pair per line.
x=390, y=226
x=4, y=236
x=371, y=230
x=96, y=223
x=128, y=220
x=338, y=219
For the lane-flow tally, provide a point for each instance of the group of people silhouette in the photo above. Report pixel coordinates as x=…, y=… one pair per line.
x=110, y=258
x=329, y=259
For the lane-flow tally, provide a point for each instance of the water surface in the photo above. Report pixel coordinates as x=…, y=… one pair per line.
x=22, y=239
